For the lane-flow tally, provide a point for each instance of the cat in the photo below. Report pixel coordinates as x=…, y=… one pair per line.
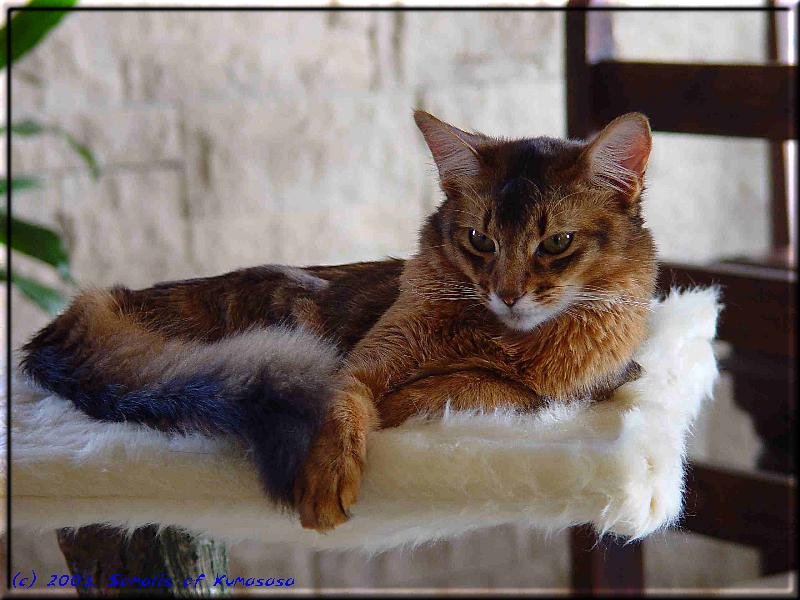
x=531, y=284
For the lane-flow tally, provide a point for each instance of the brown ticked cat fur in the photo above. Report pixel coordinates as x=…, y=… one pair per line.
x=531, y=283
x=545, y=234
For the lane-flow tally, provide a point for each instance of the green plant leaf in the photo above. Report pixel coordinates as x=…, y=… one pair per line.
x=45, y=297
x=83, y=151
x=27, y=127
x=37, y=241
x=19, y=184
x=30, y=127
x=28, y=27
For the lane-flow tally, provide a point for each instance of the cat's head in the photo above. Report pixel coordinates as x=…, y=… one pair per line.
x=538, y=225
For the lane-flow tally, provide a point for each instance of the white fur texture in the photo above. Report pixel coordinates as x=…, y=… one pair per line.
x=617, y=464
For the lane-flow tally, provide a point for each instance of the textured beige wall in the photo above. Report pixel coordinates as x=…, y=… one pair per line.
x=232, y=139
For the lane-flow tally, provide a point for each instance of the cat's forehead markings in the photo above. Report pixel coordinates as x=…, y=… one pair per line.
x=514, y=204
x=523, y=179
x=533, y=157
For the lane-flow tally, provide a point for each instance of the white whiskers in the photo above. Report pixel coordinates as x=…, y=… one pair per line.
x=446, y=291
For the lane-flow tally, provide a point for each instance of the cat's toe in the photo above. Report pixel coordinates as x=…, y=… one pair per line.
x=321, y=507
x=324, y=496
x=321, y=513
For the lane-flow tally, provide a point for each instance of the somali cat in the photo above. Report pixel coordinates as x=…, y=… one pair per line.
x=530, y=284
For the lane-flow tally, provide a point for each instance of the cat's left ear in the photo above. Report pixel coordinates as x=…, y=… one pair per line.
x=617, y=156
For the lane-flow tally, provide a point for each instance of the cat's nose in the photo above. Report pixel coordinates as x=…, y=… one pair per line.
x=508, y=298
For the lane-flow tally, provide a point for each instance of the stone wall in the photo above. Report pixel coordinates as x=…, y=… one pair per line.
x=233, y=139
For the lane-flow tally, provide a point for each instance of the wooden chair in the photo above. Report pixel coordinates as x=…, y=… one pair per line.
x=754, y=101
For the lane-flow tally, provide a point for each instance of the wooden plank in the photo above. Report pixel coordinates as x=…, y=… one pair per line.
x=759, y=302
x=765, y=389
x=604, y=567
x=779, y=199
x=588, y=39
x=747, y=508
x=712, y=99
x=577, y=72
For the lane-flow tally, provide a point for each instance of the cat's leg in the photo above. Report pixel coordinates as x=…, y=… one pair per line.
x=462, y=390
x=480, y=389
x=330, y=478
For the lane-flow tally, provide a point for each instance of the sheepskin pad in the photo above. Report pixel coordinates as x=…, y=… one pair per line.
x=618, y=464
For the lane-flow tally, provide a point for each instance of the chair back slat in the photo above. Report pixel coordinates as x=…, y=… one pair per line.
x=759, y=312
x=732, y=100
x=743, y=508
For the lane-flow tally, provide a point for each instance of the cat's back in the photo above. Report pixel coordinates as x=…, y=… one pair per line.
x=341, y=301
x=356, y=296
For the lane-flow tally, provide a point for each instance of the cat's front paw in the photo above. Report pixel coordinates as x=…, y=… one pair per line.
x=329, y=482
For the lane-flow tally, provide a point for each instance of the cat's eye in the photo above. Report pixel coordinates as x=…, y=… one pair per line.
x=480, y=241
x=558, y=243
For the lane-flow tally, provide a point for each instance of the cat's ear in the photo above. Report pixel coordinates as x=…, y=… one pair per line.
x=454, y=151
x=617, y=156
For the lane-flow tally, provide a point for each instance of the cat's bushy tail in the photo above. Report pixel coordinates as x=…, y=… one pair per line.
x=270, y=386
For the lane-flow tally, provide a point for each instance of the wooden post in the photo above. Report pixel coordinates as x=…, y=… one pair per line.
x=779, y=200
x=103, y=556
x=606, y=566
x=186, y=555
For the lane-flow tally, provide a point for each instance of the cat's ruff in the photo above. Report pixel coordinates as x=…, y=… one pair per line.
x=617, y=464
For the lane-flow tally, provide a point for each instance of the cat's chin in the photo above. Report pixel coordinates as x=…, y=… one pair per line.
x=526, y=315
x=522, y=323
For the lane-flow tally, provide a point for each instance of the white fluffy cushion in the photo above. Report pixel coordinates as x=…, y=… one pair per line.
x=617, y=464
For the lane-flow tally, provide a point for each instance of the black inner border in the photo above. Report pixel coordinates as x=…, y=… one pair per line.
x=12, y=9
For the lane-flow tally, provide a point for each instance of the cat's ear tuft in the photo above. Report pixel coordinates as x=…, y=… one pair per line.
x=454, y=151
x=617, y=156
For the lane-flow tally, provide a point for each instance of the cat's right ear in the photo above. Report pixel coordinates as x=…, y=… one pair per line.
x=454, y=151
